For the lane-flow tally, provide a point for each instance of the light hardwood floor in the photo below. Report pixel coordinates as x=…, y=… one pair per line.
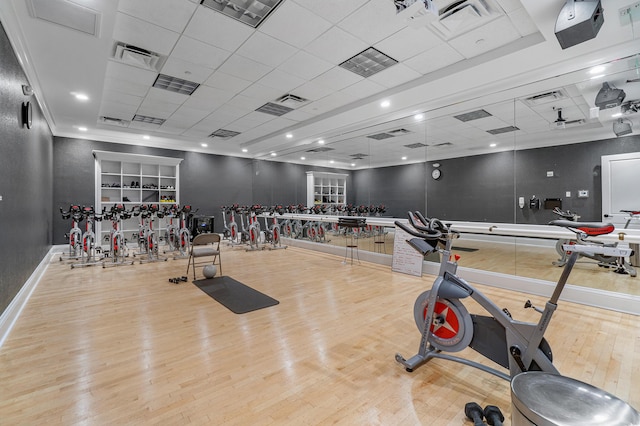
x=125, y=346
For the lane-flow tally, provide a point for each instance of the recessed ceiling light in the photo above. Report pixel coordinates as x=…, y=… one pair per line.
x=273, y=154
x=595, y=77
x=331, y=161
x=616, y=115
x=289, y=135
x=82, y=129
x=245, y=150
x=321, y=142
x=493, y=145
x=597, y=69
x=80, y=96
x=404, y=158
x=204, y=145
x=146, y=137
x=418, y=116
x=353, y=164
x=303, y=158
x=385, y=104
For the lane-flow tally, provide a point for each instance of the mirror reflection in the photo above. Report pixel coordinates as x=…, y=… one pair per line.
x=540, y=150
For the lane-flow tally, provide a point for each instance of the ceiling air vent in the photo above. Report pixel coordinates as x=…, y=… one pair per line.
x=274, y=109
x=67, y=14
x=224, y=134
x=415, y=145
x=359, y=156
x=459, y=17
x=380, y=136
x=250, y=12
x=175, y=84
x=368, y=62
x=291, y=100
x=137, y=56
x=114, y=121
x=544, y=98
x=443, y=144
x=321, y=149
x=398, y=132
x=148, y=120
x=473, y=115
x=503, y=130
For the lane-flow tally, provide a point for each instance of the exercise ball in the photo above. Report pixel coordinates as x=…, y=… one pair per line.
x=209, y=271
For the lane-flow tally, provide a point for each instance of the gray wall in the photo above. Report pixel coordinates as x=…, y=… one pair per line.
x=25, y=186
x=207, y=181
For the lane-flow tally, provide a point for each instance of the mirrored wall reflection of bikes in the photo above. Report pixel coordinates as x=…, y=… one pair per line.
x=242, y=226
x=617, y=264
x=142, y=232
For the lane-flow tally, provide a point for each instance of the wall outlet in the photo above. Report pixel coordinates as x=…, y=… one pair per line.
x=567, y=194
x=583, y=193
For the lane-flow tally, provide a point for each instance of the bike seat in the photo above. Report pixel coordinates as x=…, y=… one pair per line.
x=589, y=228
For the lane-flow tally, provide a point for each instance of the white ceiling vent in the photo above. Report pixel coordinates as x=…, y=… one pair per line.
x=291, y=101
x=546, y=97
x=67, y=14
x=137, y=56
x=451, y=18
x=112, y=121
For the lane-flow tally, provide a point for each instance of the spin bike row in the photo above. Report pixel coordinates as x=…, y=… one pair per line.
x=86, y=249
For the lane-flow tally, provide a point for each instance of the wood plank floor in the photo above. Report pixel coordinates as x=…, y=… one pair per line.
x=125, y=346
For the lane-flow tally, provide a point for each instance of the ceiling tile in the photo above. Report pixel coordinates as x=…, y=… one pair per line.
x=118, y=110
x=142, y=34
x=218, y=30
x=362, y=89
x=125, y=87
x=434, y=59
x=165, y=96
x=281, y=80
x=523, y=22
x=170, y=14
x=337, y=78
x=186, y=70
x=123, y=98
x=266, y=50
x=200, y=53
x=332, y=10
x=313, y=90
x=297, y=115
x=244, y=68
x=326, y=104
x=121, y=72
x=221, y=80
x=246, y=103
x=336, y=46
x=395, y=75
x=187, y=116
x=226, y=114
x=509, y=5
x=157, y=109
x=294, y=25
x=258, y=91
x=205, y=95
x=305, y=66
x=483, y=39
x=251, y=120
x=408, y=42
x=373, y=22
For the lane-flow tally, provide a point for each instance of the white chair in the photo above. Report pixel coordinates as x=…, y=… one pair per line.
x=205, y=245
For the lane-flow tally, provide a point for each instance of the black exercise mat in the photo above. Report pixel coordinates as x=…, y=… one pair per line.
x=234, y=295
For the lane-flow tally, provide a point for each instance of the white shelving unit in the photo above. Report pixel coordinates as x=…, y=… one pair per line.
x=326, y=188
x=134, y=179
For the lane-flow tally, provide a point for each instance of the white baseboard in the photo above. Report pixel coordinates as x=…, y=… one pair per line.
x=11, y=314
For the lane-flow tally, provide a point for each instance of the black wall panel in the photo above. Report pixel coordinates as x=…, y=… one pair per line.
x=478, y=188
x=399, y=188
x=26, y=166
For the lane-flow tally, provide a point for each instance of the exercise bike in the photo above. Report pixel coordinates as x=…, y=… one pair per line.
x=75, y=233
x=447, y=326
x=618, y=264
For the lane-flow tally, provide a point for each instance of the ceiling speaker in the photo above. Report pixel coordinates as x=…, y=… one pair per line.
x=621, y=128
x=579, y=21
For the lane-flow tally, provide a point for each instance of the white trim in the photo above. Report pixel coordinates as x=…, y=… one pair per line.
x=13, y=311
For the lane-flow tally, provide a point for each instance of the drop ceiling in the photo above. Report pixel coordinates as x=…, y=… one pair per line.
x=241, y=90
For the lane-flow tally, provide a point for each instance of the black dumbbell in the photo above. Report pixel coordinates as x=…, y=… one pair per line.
x=493, y=415
x=474, y=412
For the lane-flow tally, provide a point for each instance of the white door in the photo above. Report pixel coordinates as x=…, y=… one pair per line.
x=621, y=189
